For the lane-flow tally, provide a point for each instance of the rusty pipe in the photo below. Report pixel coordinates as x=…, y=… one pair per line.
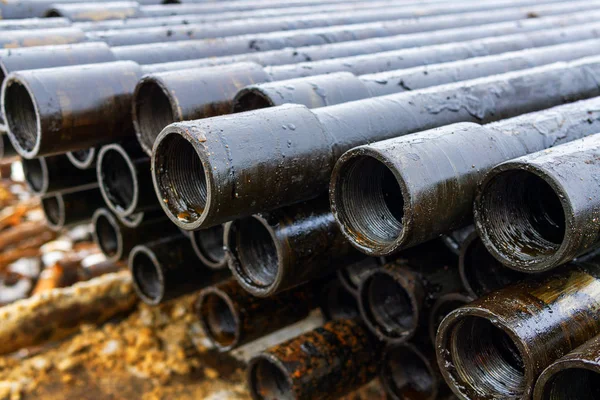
x=55, y=174
x=395, y=300
x=68, y=209
x=231, y=317
x=575, y=376
x=123, y=173
x=539, y=211
x=497, y=346
x=268, y=174
x=325, y=363
x=272, y=252
x=480, y=272
x=166, y=269
x=209, y=246
x=116, y=239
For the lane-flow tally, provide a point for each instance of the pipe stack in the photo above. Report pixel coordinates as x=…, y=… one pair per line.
x=420, y=173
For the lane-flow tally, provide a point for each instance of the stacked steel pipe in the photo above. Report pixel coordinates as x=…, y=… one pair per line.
x=421, y=173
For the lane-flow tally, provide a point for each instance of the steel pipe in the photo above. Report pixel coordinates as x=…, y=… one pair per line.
x=33, y=23
x=166, y=269
x=540, y=210
x=575, y=376
x=293, y=151
x=41, y=37
x=325, y=363
x=351, y=275
x=337, y=302
x=480, y=272
x=116, y=240
x=209, y=246
x=272, y=252
x=497, y=346
x=17, y=9
x=55, y=174
x=83, y=159
x=95, y=11
x=63, y=210
x=231, y=317
x=444, y=306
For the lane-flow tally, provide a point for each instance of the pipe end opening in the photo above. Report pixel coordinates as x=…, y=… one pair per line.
x=82, y=159
x=209, y=246
x=21, y=117
x=248, y=100
x=36, y=174
x=107, y=235
x=408, y=374
x=218, y=319
x=54, y=210
x=573, y=384
x=117, y=178
x=153, y=112
x=147, y=276
x=269, y=381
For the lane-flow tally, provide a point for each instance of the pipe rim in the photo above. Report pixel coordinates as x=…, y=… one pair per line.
x=238, y=270
x=104, y=190
x=253, y=94
x=40, y=162
x=87, y=162
x=511, y=258
x=166, y=199
x=443, y=300
x=108, y=217
x=386, y=375
x=361, y=240
x=143, y=251
x=153, y=82
x=554, y=369
x=133, y=220
x=14, y=79
x=251, y=372
x=206, y=326
x=202, y=252
x=370, y=319
x=443, y=352
x=58, y=223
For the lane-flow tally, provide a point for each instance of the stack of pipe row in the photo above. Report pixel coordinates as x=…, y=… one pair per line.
x=423, y=172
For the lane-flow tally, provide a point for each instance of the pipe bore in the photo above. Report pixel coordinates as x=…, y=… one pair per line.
x=21, y=117
x=36, y=174
x=485, y=358
x=218, y=319
x=524, y=217
x=268, y=380
x=147, y=275
x=83, y=159
x=369, y=201
x=208, y=244
x=408, y=374
x=180, y=178
x=117, y=178
x=442, y=307
x=387, y=306
x=573, y=384
x=152, y=112
x=54, y=210
x=252, y=99
x=107, y=234
x=339, y=303
x=254, y=252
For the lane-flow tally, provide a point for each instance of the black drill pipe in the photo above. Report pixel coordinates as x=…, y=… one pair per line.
x=33, y=23
x=41, y=37
x=272, y=252
x=400, y=167
x=220, y=29
x=198, y=184
x=116, y=239
x=78, y=12
x=351, y=275
x=497, y=346
x=135, y=220
x=232, y=317
x=67, y=209
x=83, y=159
x=540, y=210
x=343, y=87
x=166, y=269
x=209, y=247
x=189, y=49
x=455, y=239
x=410, y=371
x=396, y=299
x=325, y=363
x=56, y=174
x=123, y=173
x=337, y=302
x=480, y=272
x=444, y=306
x=161, y=98
x=575, y=376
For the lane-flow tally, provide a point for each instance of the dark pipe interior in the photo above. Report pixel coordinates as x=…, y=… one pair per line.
x=181, y=178
x=252, y=245
x=52, y=210
x=83, y=157
x=21, y=116
x=153, y=111
x=218, y=319
x=369, y=201
x=117, y=180
x=573, y=384
x=34, y=173
x=408, y=374
x=340, y=303
x=53, y=14
x=486, y=359
x=210, y=243
x=147, y=276
x=269, y=382
x=389, y=305
x=524, y=216
x=107, y=236
x=251, y=100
